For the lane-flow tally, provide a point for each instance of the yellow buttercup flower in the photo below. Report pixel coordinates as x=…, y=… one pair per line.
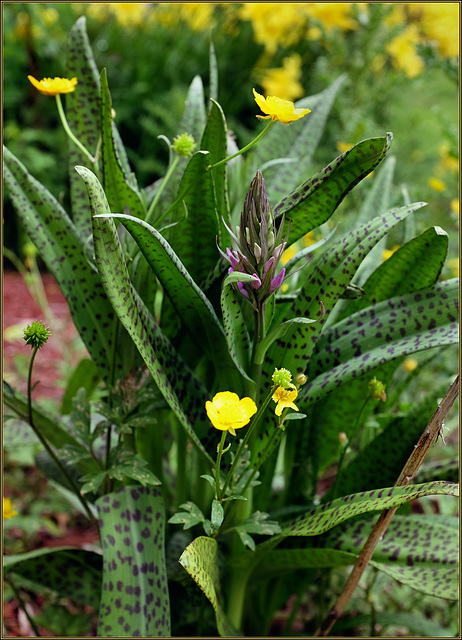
x=227, y=412
x=284, y=398
x=54, y=86
x=437, y=184
x=278, y=109
x=8, y=509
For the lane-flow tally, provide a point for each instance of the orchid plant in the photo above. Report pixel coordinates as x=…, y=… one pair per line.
x=229, y=380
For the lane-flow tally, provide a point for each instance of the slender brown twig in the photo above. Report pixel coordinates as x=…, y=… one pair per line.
x=432, y=430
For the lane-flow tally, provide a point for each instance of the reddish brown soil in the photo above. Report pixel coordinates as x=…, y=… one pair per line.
x=54, y=363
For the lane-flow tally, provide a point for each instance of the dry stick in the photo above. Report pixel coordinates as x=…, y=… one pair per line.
x=433, y=429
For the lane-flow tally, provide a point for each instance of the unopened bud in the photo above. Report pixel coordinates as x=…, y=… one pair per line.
x=257, y=252
x=342, y=437
x=301, y=379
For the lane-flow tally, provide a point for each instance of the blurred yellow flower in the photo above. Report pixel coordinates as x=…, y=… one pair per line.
x=410, y=364
x=343, y=146
x=455, y=205
x=387, y=253
x=227, y=412
x=453, y=264
x=288, y=253
x=274, y=23
x=284, y=398
x=308, y=239
x=198, y=15
x=331, y=15
x=439, y=23
x=54, y=86
x=285, y=80
x=402, y=50
x=437, y=184
x=277, y=109
x=8, y=509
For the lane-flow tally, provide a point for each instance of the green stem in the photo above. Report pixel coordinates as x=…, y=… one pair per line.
x=250, y=430
x=67, y=129
x=218, y=491
x=246, y=148
x=47, y=447
x=160, y=190
x=22, y=604
x=344, y=450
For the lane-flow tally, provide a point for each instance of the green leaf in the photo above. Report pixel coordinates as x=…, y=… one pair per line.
x=333, y=513
x=324, y=281
x=84, y=376
x=383, y=332
x=134, y=598
x=313, y=202
x=83, y=116
x=121, y=190
x=194, y=238
x=131, y=465
x=200, y=559
x=214, y=141
x=297, y=142
x=54, y=431
x=416, y=550
x=70, y=572
x=258, y=523
x=217, y=516
x=191, y=305
x=63, y=252
x=190, y=516
x=186, y=392
x=277, y=334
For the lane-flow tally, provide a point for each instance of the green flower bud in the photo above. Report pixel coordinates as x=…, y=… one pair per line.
x=377, y=389
x=301, y=379
x=36, y=334
x=282, y=378
x=184, y=144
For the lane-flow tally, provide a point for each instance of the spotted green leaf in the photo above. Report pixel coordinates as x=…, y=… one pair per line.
x=313, y=202
x=67, y=571
x=420, y=551
x=134, y=597
x=121, y=189
x=83, y=116
x=200, y=559
x=180, y=389
x=64, y=253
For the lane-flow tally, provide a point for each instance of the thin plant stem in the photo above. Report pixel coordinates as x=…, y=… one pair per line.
x=160, y=190
x=348, y=444
x=246, y=148
x=218, y=490
x=22, y=604
x=432, y=431
x=67, y=129
x=47, y=447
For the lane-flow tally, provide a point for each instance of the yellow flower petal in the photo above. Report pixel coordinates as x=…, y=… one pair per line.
x=284, y=399
x=278, y=109
x=53, y=86
x=227, y=412
x=8, y=509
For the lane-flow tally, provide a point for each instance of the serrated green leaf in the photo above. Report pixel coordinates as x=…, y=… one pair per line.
x=85, y=376
x=200, y=559
x=134, y=598
x=247, y=540
x=92, y=482
x=258, y=523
